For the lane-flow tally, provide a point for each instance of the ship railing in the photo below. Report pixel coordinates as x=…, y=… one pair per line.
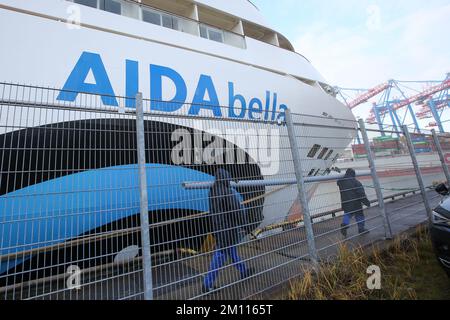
x=167, y=19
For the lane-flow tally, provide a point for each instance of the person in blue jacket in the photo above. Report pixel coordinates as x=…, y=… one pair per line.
x=228, y=216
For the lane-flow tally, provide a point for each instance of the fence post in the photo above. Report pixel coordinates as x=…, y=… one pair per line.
x=301, y=190
x=376, y=181
x=412, y=153
x=143, y=198
x=437, y=143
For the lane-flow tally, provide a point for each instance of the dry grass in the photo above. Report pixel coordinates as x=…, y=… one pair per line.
x=409, y=270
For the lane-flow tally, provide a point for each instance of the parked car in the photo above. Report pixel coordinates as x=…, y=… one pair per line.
x=440, y=228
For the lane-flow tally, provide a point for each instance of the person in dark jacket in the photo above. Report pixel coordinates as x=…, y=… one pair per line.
x=227, y=217
x=353, y=197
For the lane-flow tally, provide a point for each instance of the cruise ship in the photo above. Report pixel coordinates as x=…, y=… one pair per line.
x=194, y=55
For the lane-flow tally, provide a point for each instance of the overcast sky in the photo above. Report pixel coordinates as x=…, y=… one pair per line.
x=361, y=43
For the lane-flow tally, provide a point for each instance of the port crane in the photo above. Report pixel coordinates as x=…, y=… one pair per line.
x=397, y=101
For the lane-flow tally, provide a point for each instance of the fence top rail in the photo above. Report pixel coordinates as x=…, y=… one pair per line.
x=322, y=117
x=304, y=124
x=399, y=132
x=105, y=95
x=127, y=111
x=78, y=103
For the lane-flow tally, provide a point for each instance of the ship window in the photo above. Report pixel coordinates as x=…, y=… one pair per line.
x=151, y=17
x=329, y=154
x=211, y=33
x=169, y=22
x=322, y=153
x=312, y=153
x=336, y=157
x=111, y=6
x=89, y=3
x=203, y=32
x=160, y=19
x=215, y=35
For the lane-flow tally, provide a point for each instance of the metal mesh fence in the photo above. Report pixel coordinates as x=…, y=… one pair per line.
x=324, y=143
x=68, y=197
x=193, y=149
x=225, y=210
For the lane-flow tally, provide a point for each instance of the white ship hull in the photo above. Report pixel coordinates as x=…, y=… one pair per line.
x=124, y=56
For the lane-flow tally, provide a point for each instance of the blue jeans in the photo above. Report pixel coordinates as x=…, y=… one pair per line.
x=218, y=260
x=359, y=219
